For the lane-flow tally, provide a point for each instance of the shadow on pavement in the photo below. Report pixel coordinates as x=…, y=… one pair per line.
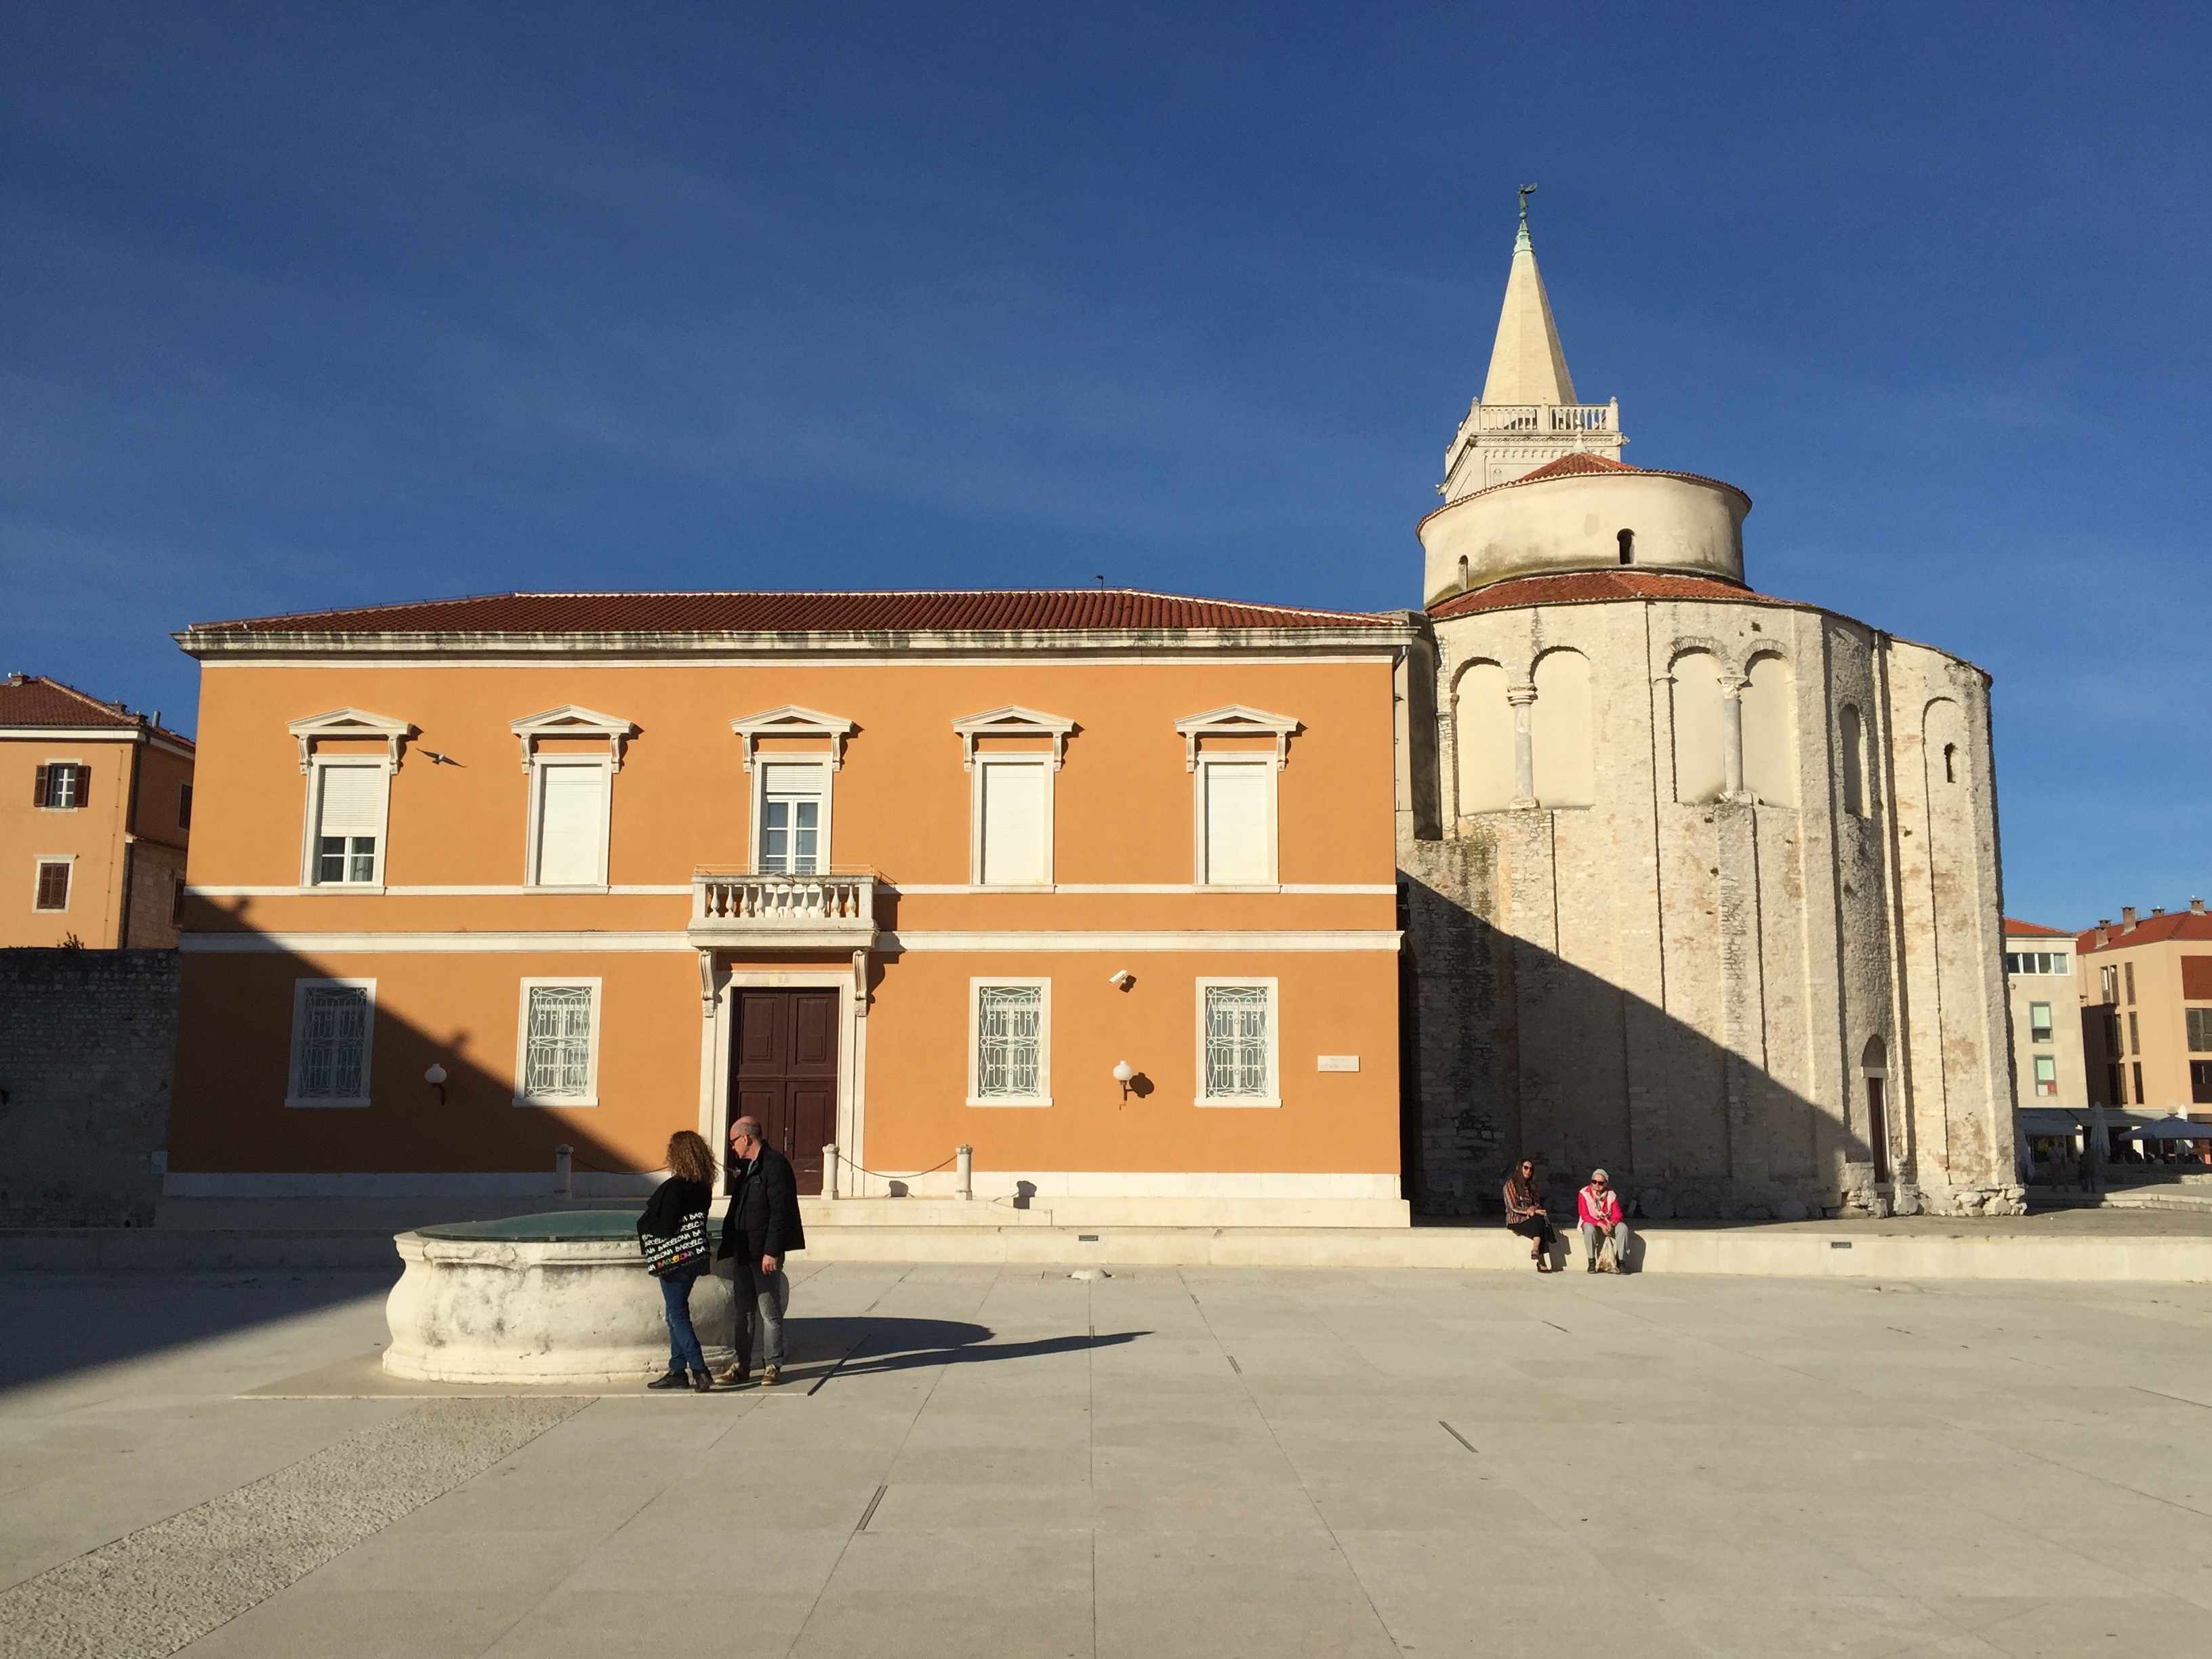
x=896, y=1345
x=62, y=1322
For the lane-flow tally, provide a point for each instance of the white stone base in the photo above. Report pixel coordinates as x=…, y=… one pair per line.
x=1103, y=1210
x=495, y=1311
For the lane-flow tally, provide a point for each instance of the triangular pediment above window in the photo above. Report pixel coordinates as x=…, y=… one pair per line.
x=1237, y=720
x=573, y=719
x=1013, y=722
x=350, y=723
x=793, y=721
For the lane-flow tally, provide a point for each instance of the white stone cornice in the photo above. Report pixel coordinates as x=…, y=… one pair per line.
x=793, y=721
x=1237, y=720
x=572, y=719
x=350, y=723
x=1013, y=720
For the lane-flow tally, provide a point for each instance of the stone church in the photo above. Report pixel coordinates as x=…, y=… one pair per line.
x=1701, y=885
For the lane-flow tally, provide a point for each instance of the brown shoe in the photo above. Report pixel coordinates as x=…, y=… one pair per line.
x=736, y=1377
x=770, y=1376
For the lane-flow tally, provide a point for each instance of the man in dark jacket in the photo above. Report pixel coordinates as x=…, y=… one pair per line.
x=761, y=1228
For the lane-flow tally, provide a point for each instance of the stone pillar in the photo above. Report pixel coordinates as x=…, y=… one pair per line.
x=1523, y=697
x=1732, y=690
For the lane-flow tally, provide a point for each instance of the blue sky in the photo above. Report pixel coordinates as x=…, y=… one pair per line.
x=313, y=306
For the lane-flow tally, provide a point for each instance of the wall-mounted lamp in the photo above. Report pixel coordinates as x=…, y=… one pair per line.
x=436, y=1077
x=1121, y=979
x=1122, y=1072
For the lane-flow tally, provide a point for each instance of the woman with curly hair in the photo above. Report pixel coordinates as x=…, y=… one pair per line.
x=679, y=1206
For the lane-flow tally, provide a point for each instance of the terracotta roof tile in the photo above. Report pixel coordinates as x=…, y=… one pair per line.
x=1595, y=587
x=2015, y=929
x=989, y=611
x=2151, y=930
x=35, y=700
x=1582, y=464
x=1580, y=461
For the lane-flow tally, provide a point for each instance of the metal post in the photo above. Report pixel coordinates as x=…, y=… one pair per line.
x=966, y=1171
x=829, y=1169
x=562, y=1185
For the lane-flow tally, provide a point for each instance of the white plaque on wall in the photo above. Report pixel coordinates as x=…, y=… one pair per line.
x=1340, y=1062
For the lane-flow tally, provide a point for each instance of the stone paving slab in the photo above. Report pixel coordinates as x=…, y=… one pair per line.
x=1168, y=1462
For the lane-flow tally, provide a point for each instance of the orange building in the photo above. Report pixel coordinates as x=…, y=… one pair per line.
x=98, y=811
x=2147, y=1010
x=1100, y=884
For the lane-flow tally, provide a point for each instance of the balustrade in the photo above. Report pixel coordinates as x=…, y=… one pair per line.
x=734, y=905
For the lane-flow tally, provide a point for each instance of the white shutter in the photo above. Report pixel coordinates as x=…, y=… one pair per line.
x=1013, y=824
x=571, y=826
x=353, y=801
x=790, y=779
x=1237, y=850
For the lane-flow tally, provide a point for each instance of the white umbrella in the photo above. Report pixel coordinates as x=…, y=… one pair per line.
x=2169, y=1128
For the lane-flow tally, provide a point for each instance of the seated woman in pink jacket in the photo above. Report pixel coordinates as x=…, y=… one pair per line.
x=1599, y=1208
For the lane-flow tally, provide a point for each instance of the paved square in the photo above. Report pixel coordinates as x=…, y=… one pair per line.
x=981, y=1461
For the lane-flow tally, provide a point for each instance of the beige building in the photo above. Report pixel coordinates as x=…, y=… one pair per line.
x=2146, y=994
x=1701, y=883
x=2046, y=1030
x=95, y=810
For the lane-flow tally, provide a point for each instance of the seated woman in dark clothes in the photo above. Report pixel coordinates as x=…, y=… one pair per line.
x=1524, y=1213
x=675, y=1201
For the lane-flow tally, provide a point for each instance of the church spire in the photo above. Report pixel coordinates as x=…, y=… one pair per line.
x=1527, y=365
x=1528, y=416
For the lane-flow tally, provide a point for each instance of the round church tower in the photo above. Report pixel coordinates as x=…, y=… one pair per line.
x=1703, y=883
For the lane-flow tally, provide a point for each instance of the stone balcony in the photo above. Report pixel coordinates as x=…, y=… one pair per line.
x=774, y=911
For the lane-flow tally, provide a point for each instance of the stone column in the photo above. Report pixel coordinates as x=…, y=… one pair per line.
x=1732, y=690
x=1524, y=754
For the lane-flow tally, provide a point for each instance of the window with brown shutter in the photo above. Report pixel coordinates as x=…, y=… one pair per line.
x=2196, y=978
x=53, y=886
x=60, y=785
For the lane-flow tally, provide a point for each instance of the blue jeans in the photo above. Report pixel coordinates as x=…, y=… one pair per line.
x=682, y=1342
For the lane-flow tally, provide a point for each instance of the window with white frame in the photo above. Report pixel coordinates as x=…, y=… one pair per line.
x=1010, y=1046
x=346, y=844
x=333, y=1029
x=794, y=833
x=61, y=786
x=1237, y=1043
x=569, y=820
x=557, y=1059
x=51, y=889
x=1236, y=821
x=571, y=792
x=1013, y=820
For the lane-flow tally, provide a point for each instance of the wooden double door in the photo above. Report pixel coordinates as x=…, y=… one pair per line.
x=783, y=1071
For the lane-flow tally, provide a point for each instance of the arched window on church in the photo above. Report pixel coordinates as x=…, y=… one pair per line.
x=1560, y=732
x=1853, y=743
x=1769, y=723
x=1700, y=735
x=1627, y=539
x=1950, y=763
x=1873, y=1068
x=1482, y=733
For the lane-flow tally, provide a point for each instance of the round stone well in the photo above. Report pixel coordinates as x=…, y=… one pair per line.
x=559, y=1297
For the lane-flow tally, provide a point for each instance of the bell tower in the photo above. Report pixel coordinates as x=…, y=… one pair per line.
x=1527, y=415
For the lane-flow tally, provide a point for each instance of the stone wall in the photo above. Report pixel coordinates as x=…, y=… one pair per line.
x=1691, y=981
x=87, y=1044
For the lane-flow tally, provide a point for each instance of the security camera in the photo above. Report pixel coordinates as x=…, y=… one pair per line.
x=1122, y=978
